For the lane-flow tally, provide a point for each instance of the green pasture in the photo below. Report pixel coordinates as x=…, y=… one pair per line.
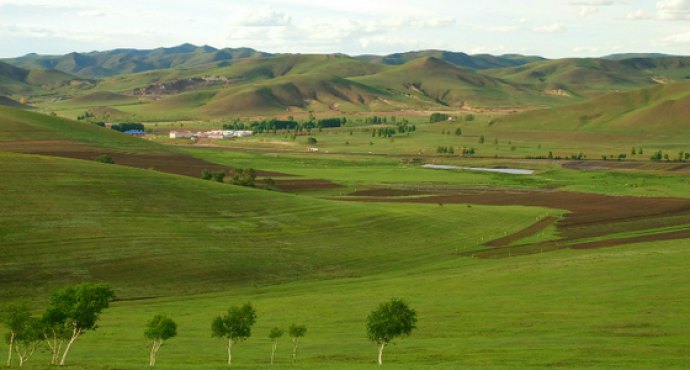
x=365, y=171
x=618, y=308
x=149, y=233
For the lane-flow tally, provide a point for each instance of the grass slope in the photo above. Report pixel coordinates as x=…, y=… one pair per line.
x=20, y=130
x=587, y=77
x=149, y=233
x=660, y=110
x=32, y=82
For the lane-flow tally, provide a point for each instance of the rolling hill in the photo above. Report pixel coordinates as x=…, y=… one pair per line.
x=7, y=102
x=333, y=83
x=31, y=82
x=462, y=60
x=589, y=77
x=122, y=61
x=201, y=82
x=437, y=82
x=662, y=109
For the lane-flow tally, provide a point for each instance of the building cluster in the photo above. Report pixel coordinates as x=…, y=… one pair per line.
x=214, y=134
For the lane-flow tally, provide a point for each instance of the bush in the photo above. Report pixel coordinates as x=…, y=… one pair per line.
x=104, y=158
x=206, y=175
x=219, y=176
x=438, y=117
x=244, y=177
x=311, y=141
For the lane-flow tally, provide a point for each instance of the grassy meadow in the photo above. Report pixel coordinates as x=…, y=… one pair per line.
x=190, y=249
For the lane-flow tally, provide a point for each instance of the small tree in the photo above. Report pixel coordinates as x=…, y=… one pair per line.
x=206, y=175
x=244, y=177
x=390, y=320
x=160, y=328
x=77, y=310
x=15, y=319
x=235, y=326
x=274, y=335
x=296, y=332
x=27, y=340
x=311, y=141
x=219, y=176
x=105, y=158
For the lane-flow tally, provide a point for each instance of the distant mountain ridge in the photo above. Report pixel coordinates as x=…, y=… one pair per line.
x=123, y=61
x=20, y=81
x=98, y=64
x=458, y=59
x=623, y=56
x=200, y=82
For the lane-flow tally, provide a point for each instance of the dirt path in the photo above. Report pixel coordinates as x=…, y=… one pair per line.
x=535, y=228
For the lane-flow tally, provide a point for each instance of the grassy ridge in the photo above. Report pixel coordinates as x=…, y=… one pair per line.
x=657, y=110
x=149, y=233
x=22, y=130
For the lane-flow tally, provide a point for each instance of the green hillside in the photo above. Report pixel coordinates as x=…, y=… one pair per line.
x=437, y=82
x=29, y=131
x=190, y=249
x=462, y=60
x=7, y=102
x=31, y=82
x=587, y=77
x=122, y=61
x=149, y=233
x=659, y=110
x=189, y=82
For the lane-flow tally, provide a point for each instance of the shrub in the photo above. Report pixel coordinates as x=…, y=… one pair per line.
x=104, y=158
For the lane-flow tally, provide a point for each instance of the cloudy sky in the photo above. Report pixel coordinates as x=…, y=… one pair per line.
x=551, y=28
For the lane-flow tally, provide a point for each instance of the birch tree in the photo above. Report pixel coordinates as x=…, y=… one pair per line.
x=235, y=326
x=77, y=309
x=296, y=332
x=274, y=335
x=54, y=333
x=390, y=320
x=159, y=329
x=27, y=340
x=15, y=318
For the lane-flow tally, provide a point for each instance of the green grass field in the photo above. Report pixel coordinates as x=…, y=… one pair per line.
x=190, y=249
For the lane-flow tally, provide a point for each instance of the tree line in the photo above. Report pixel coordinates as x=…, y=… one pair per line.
x=286, y=125
x=75, y=310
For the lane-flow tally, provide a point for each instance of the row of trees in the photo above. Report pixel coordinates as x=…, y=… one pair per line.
x=73, y=311
x=240, y=176
x=442, y=117
x=273, y=125
x=235, y=326
x=658, y=156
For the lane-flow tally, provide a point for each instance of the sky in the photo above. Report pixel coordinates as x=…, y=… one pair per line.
x=549, y=28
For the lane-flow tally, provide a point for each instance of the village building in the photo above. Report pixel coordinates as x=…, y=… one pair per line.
x=181, y=134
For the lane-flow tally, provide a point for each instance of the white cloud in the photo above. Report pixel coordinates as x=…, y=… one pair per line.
x=682, y=38
x=673, y=9
x=638, y=15
x=588, y=10
x=597, y=50
x=265, y=18
x=551, y=28
x=592, y=2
